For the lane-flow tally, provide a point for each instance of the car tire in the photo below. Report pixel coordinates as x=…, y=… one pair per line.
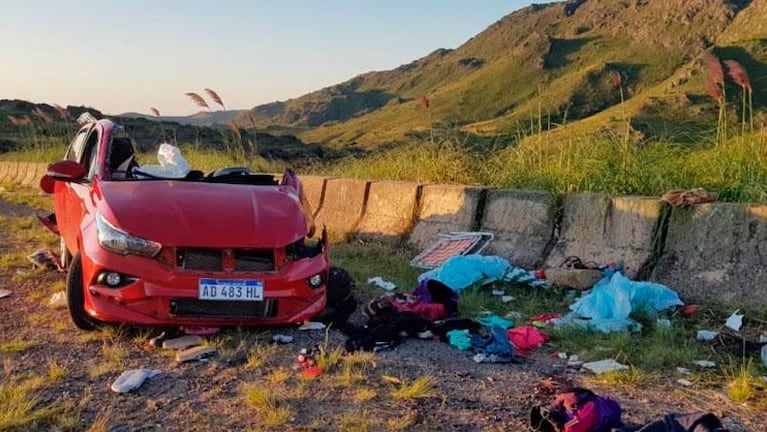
x=65, y=257
x=76, y=296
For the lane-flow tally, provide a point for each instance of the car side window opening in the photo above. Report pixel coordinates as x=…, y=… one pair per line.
x=90, y=154
x=77, y=146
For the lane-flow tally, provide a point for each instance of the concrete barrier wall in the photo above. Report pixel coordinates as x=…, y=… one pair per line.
x=314, y=187
x=522, y=223
x=342, y=205
x=389, y=209
x=717, y=252
x=714, y=252
x=604, y=229
x=442, y=209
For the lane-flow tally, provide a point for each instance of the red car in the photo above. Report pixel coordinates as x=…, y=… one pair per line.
x=230, y=248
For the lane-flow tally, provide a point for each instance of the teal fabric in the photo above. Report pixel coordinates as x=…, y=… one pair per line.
x=491, y=320
x=459, y=339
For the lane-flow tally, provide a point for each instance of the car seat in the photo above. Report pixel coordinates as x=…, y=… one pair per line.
x=122, y=157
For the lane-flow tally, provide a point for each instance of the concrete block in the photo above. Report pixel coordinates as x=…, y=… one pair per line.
x=717, y=252
x=342, y=206
x=42, y=169
x=442, y=209
x=20, y=173
x=598, y=228
x=13, y=168
x=389, y=210
x=314, y=187
x=4, y=167
x=29, y=177
x=522, y=222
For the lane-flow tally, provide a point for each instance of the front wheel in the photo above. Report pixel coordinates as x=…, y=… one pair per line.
x=76, y=296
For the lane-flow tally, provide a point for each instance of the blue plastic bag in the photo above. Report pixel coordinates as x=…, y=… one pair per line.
x=608, y=306
x=461, y=271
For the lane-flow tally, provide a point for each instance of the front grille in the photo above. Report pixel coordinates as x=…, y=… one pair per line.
x=200, y=259
x=253, y=260
x=245, y=260
x=190, y=307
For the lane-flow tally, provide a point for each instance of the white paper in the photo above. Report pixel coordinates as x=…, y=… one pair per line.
x=735, y=321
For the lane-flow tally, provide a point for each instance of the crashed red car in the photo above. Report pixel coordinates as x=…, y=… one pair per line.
x=227, y=248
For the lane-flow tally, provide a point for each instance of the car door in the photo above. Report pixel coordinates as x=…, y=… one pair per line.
x=70, y=203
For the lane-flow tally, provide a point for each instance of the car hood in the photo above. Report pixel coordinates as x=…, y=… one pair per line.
x=195, y=214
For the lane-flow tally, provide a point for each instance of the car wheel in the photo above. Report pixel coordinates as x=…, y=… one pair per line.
x=65, y=256
x=76, y=296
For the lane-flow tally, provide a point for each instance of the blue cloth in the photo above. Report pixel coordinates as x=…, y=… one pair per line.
x=462, y=271
x=491, y=320
x=497, y=343
x=459, y=339
x=608, y=305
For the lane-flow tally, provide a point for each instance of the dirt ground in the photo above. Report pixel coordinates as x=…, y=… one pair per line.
x=211, y=395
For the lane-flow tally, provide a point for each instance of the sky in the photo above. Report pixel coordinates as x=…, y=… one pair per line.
x=129, y=55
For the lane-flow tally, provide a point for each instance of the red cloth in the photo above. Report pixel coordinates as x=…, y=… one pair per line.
x=526, y=338
x=586, y=418
x=430, y=311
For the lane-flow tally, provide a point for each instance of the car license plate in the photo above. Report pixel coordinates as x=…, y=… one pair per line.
x=231, y=289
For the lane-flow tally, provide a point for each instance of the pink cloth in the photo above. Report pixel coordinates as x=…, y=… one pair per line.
x=526, y=338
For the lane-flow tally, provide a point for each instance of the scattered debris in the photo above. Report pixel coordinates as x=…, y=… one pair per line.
x=682, y=370
x=663, y=323
x=689, y=309
x=498, y=293
x=381, y=283
x=578, y=279
x=735, y=321
x=200, y=330
x=705, y=363
x=58, y=300
x=132, y=379
x=450, y=245
x=4, y=293
x=762, y=338
x=507, y=299
x=603, y=366
x=681, y=197
x=157, y=340
x=707, y=335
x=764, y=356
x=390, y=379
x=282, y=339
x=182, y=342
x=574, y=362
x=312, y=325
x=43, y=259
x=684, y=382
x=195, y=353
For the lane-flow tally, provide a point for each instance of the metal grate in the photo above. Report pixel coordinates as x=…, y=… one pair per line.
x=200, y=259
x=190, y=307
x=254, y=260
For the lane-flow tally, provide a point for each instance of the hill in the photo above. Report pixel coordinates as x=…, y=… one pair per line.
x=551, y=64
x=202, y=118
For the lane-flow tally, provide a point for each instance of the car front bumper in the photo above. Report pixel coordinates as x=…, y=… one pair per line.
x=164, y=295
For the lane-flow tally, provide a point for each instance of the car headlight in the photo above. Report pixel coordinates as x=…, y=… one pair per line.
x=118, y=241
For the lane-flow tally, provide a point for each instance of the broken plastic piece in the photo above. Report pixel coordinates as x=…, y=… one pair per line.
x=282, y=339
x=312, y=325
x=4, y=293
x=603, y=366
x=58, y=300
x=707, y=335
x=705, y=363
x=381, y=283
x=182, y=342
x=132, y=379
x=43, y=259
x=735, y=321
x=684, y=382
x=452, y=244
x=196, y=353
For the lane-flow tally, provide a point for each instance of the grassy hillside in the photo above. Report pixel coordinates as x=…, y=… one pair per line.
x=547, y=65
